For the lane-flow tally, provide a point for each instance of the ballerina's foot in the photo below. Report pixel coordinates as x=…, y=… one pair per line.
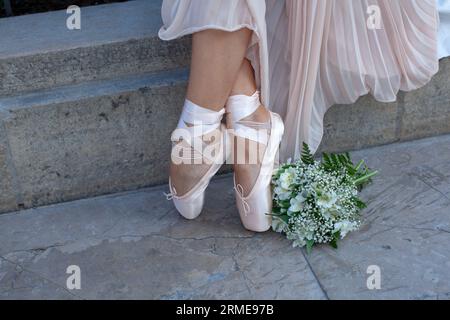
x=185, y=175
x=197, y=155
x=259, y=131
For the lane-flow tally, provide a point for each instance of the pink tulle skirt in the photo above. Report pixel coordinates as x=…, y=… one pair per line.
x=311, y=54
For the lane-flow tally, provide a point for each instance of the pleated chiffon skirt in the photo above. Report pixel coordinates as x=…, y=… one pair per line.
x=311, y=54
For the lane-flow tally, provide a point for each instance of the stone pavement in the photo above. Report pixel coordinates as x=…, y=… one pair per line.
x=134, y=245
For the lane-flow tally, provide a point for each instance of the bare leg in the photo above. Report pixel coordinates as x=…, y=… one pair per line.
x=247, y=173
x=216, y=62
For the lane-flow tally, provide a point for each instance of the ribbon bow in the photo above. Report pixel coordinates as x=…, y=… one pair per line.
x=240, y=191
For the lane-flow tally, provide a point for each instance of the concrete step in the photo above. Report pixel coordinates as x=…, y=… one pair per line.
x=87, y=139
x=38, y=51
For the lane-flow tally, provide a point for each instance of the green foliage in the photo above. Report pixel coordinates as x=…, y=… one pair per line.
x=341, y=163
x=359, y=203
x=359, y=173
x=309, y=246
x=334, y=242
x=307, y=157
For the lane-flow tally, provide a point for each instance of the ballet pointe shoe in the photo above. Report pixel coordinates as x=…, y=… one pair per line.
x=191, y=204
x=195, y=122
x=255, y=207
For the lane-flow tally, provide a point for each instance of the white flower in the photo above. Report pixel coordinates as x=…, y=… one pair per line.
x=333, y=211
x=278, y=225
x=327, y=200
x=287, y=178
x=344, y=227
x=282, y=193
x=297, y=203
x=299, y=243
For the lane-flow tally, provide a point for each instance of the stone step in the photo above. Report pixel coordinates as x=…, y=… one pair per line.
x=38, y=51
x=87, y=139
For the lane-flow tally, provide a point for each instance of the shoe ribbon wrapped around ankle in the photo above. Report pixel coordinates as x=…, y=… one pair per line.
x=240, y=107
x=196, y=122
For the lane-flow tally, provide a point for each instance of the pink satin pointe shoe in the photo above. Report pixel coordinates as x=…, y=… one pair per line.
x=255, y=206
x=194, y=124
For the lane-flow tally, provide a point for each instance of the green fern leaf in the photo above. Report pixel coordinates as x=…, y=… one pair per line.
x=307, y=156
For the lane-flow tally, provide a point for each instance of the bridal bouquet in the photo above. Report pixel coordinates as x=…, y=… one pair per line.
x=317, y=202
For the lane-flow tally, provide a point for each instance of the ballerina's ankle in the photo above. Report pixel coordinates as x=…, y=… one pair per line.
x=195, y=123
